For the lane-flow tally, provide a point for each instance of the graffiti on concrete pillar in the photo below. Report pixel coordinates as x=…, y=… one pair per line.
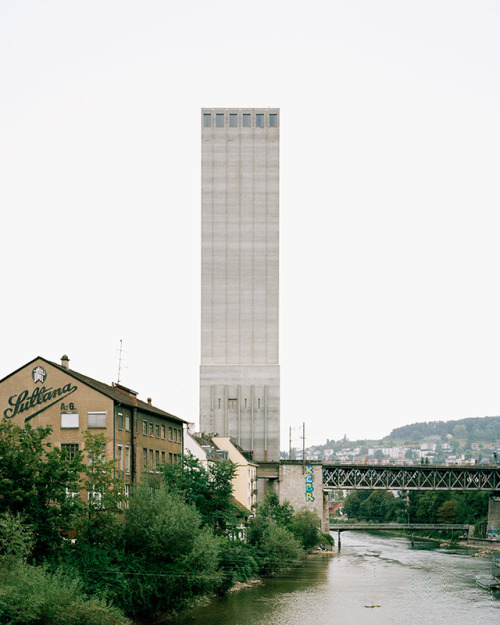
x=309, y=483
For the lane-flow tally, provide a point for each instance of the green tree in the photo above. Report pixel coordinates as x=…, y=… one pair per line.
x=16, y=537
x=209, y=489
x=271, y=508
x=278, y=549
x=305, y=526
x=460, y=431
x=35, y=481
x=447, y=512
x=353, y=502
x=173, y=558
x=100, y=523
x=380, y=506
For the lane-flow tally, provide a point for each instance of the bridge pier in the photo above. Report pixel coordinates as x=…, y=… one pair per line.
x=493, y=527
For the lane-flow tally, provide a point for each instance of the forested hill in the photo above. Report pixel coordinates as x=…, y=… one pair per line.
x=477, y=428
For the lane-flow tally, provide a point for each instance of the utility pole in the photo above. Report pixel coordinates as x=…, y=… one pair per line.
x=304, y=447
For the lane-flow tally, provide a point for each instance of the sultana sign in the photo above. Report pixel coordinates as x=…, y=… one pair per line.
x=40, y=396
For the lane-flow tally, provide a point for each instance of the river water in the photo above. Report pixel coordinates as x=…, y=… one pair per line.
x=407, y=585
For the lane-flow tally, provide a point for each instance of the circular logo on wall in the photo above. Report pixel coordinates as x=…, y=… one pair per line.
x=39, y=374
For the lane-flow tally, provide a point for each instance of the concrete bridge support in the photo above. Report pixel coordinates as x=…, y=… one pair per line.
x=493, y=527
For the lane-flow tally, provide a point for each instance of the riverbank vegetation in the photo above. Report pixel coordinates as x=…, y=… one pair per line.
x=419, y=507
x=179, y=536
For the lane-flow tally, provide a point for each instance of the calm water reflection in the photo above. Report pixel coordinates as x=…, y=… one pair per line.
x=425, y=583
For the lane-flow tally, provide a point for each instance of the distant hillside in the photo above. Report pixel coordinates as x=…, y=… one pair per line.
x=476, y=428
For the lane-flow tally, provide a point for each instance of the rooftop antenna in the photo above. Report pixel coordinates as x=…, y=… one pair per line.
x=120, y=362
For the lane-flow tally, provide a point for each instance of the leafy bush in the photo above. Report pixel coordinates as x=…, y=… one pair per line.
x=32, y=596
x=305, y=527
x=238, y=563
x=278, y=550
x=172, y=559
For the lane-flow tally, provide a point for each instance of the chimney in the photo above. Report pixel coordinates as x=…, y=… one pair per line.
x=65, y=361
x=149, y=401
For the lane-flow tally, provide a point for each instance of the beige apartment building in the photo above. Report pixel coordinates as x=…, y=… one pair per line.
x=139, y=436
x=245, y=480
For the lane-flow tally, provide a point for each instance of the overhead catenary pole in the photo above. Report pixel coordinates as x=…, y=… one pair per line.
x=304, y=447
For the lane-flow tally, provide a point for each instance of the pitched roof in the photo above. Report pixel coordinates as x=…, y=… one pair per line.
x=110, y=391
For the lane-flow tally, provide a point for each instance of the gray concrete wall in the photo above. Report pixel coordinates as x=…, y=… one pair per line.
x=493, y=527
x=302, y=486
x=239, y=373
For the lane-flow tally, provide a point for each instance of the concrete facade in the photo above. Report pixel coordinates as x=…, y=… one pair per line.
x=493, y=527
x=302, y=486
x=239, y=371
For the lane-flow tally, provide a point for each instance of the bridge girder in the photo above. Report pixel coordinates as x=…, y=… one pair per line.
x=393, y=477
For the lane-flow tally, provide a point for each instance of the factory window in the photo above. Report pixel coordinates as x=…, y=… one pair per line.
x=119, y=458
x=259, y=120
x=144, y=459
x=151, y=429
x=157, y=459
x=163, y=432
x=94, y=497
x=127, y=423
x=71, y=450
x=170, y=434
x=144, y=428
x=127, y=459
x=150, y=459
x=232, y=404
x=96, y=420
x=157, y=430
x=219, y=120
x=163, y=457
x=207, y=120
x=247, y=120
x=273, y=120
x=120, y=421
x=233, y=120
x=69, y=419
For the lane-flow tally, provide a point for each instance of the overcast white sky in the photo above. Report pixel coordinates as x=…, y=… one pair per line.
x=390, y=160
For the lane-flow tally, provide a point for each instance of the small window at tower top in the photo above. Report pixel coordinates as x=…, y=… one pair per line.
x=219, y=120
x=233, y=120
x=259, y=120
x=207, y=120
x=273, y=120
x=246, y=120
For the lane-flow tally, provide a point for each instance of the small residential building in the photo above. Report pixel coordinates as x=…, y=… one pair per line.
x=139, y=436
x=202, y=447
x=245, y=481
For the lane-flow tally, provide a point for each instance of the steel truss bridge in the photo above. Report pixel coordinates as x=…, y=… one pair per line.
x=410, y=477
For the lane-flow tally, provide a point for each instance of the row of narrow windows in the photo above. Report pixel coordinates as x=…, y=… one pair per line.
x=235, y=120
x=232, y=403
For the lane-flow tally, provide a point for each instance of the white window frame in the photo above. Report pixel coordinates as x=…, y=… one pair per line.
x=127, y=459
